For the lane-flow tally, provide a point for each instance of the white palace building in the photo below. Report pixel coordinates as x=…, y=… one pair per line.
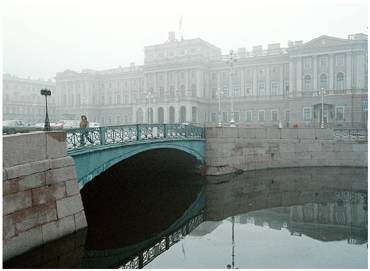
x=190, y=81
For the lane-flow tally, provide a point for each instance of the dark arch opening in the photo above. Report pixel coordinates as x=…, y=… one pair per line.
x=139, y=197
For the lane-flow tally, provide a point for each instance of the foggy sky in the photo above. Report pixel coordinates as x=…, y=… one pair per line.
x=42, y=37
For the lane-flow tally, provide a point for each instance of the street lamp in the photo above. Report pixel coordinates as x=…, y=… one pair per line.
x=231, y=62
x=232, y=265
x=219, y=107
x=46, y=93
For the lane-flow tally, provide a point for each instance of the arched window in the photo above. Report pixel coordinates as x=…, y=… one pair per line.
x=323, y=81
x=340, y=81
x=194, y=114
x=307, y=82
x=139, y=116
x=182, y=114
x=160, y=115
x=172, y=115
x=150, y=115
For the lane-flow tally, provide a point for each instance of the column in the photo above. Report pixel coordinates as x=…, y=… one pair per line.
x=254, y=91
x=155, y=85
x=348, y=75
x=242, y=82
x=199, y=84
x=331, y=71
x=291, y=76
x=187, y=90
x=176, y=74
x=268, y=83
x=165, y=84
x=314, y=76
x=299, y=76
x=218, y=74
x=166, y=111
x=188, y=113
x=281, y=85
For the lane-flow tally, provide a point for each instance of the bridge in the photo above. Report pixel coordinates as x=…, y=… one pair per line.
x=95, y=150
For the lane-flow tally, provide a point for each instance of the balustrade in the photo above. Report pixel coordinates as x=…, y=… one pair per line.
x=124, y=134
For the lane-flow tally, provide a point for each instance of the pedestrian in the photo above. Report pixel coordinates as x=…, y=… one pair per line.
x=84, y=123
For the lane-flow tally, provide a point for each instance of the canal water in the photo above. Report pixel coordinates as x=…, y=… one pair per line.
x=281, y=218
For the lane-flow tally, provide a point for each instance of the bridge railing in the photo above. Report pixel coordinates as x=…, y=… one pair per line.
x=80, y=137
x=351, y=134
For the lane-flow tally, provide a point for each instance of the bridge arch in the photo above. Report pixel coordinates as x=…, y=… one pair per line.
x=91, y=162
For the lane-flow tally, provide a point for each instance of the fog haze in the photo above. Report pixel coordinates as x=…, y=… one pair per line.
x=44, y=37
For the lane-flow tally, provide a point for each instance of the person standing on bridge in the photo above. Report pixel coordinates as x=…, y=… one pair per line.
x=84, y=123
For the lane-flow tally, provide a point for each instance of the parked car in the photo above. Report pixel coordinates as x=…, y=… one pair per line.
x=94, y=124
x=18, y=126
x=67, y=124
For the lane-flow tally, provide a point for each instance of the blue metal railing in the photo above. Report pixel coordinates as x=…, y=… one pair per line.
x=351, y=134
x=80, y=137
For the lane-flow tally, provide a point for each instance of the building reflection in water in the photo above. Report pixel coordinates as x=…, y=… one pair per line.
x=295, y=201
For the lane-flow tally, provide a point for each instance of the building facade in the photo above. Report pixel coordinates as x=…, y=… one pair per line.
x=190, y=81
x=22, y=99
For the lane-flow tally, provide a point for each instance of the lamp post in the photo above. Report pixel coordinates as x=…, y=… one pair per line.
x=46, y=93
x=231, y=62
x=219, y=107
x=232, y=265
x=322, y=108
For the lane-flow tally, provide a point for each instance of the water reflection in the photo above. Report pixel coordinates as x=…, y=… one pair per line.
x=284, y=218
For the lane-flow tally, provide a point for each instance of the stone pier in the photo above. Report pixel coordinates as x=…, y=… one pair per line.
x=240, y=149
x=41, y=198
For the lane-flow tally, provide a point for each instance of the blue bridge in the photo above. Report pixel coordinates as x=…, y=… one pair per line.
x=95, y=150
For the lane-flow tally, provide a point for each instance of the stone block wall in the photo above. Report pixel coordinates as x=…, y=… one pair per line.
x=41, y=198
x=232, y=149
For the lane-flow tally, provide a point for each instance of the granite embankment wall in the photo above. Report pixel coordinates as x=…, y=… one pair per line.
x=41, y=198
x=232, y=149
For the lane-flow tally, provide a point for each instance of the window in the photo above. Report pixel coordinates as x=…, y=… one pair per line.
x=307, y=116
x=286, y=88
x=307, y=63
x=236, y=116
x=226, y=91
x=287, y=116
x=307, y=82
x=213, y=117
x=261, y=89
x=248, y=90
x=340, y=81
x=274, y=115
x=339, y=60
x=214, y=93
x=339, y=113
x=261, y=115
x=182, y=90
x=274, y=89
x=224, y=117
x=172, y=91
x=323, y=61
x=323, y=81
x=248, y=116
x=236, y=91
x=161, y=92
x=193, y=90
x=118, y=99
